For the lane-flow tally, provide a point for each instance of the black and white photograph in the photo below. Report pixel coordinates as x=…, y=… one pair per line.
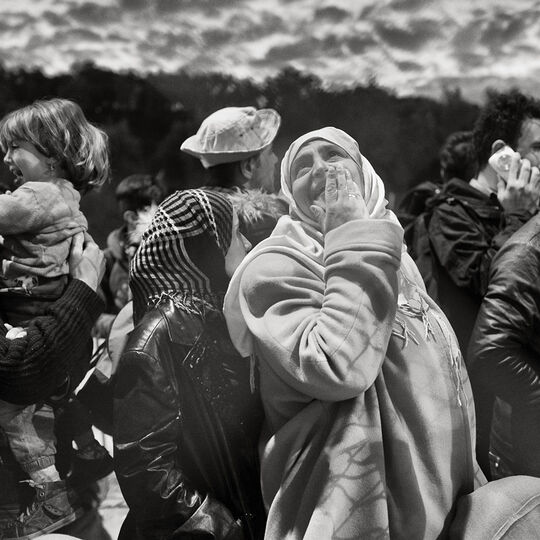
x=270, y=270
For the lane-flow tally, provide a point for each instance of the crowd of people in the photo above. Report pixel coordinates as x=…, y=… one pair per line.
x=278, y=359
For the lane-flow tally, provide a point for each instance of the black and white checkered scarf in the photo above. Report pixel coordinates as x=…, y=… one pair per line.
x=182, y=253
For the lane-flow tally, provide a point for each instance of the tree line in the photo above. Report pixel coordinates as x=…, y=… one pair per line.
x=148, y=117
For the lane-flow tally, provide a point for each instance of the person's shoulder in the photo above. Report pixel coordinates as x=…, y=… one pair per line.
x=523, y=244
x=269, y=268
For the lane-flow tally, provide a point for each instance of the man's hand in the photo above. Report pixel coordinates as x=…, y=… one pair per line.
x=86, y=261
x=522, y=189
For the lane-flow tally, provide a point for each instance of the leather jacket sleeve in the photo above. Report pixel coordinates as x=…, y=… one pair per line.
x=147, y=432
x=503, y=352
x=464, y=248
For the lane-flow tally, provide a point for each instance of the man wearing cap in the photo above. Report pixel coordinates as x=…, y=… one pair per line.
x=234, y=145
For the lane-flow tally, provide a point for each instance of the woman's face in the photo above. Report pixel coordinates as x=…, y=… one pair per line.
x=237, y=250
x=309, y=168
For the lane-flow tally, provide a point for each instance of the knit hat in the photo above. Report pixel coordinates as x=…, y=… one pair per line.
x=232, y=134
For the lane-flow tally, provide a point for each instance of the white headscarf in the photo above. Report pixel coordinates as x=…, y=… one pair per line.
x=373, y=185
x=299, y=235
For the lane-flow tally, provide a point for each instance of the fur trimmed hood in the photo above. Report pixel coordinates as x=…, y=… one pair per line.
x=254, y=205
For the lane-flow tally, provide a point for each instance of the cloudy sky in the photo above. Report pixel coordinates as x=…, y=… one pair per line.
x=410, y=46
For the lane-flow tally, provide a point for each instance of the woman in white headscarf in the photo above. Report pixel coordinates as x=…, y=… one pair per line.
x=369, y=415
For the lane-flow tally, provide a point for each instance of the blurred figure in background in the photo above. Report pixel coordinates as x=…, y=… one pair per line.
x=234, y=145
x=469, y=221
x=456, y=161
x=137, y=196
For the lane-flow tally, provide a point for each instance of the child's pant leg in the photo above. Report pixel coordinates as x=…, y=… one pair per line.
x=33, y=448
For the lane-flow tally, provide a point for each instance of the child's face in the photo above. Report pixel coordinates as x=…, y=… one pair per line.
x=26, y=162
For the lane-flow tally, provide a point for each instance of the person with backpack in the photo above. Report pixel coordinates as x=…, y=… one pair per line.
x=456, y=161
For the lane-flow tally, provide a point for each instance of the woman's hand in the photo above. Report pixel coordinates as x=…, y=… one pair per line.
x=86, y=261
x=344, y=202
x=522, y=189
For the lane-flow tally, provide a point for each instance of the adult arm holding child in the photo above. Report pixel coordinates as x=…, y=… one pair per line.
x=32, y=366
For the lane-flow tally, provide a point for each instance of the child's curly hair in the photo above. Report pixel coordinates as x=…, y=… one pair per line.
x=502, y=118
x=58, y=129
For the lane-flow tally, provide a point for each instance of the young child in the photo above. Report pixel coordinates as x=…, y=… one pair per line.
x=55, y=155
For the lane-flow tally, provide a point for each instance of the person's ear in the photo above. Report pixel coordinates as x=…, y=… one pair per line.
x=52, y=164
x=247, y=167
x=130, y=218
x=497, y=145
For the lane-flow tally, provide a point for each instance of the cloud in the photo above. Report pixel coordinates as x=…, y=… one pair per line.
x=133, y=5
x=117, y=37
x=502, y=29
x=409, y=66
x=78, y=35
x=305, y=48
x=16, y=21
x=332, y=14
x=167, y=45
x=407, y=5
x=217, y=36
x=359, y=43
x=411, y=37
x=251, y=26
x=90, y=13
x=54, y=19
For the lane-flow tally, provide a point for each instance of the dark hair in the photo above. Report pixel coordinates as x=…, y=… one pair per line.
x=456, y=156
x=501, y=118
x=138, y=191
x=224, y=174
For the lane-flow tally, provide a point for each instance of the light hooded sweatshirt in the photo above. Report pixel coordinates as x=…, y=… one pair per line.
x=369, y=429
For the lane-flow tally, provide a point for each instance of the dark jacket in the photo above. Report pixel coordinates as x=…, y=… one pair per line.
x=31, y=370
x=504, y=353
x=466, y=229
x=186, y=426
x=56, y=345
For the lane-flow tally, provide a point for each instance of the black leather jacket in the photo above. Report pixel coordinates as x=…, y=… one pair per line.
x=186, y=426
x=504, y=352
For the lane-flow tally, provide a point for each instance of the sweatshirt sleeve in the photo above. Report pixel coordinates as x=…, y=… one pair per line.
x=30, y=208
x=327, y=339
x=32, y=367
